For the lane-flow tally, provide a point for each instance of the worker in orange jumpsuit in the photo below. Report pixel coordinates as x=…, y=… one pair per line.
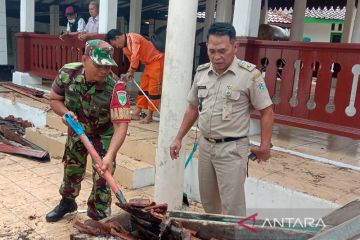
x=138, y=49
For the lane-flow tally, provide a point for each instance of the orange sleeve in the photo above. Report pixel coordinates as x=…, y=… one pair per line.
x=134, y=48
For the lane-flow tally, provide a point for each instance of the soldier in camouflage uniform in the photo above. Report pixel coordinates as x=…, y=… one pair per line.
x=90, y=93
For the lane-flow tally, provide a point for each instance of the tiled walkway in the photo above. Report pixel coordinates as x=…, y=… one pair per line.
x=29, y=189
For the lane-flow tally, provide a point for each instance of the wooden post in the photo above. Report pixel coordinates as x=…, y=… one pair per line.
x=23, y=52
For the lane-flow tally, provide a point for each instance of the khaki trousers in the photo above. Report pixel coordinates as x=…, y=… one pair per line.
x=222, y=174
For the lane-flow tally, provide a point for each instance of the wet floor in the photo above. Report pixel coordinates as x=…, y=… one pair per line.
x=318, y=144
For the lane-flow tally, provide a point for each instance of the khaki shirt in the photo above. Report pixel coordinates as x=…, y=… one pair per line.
x=227, y=98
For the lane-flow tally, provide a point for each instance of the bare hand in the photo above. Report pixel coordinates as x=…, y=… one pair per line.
x=107, y=165
x=262, y=154
x=130, y=73
x=125, y=78
x=72, y=115
x=63, y=35
x=82, y=36
x=175, y=149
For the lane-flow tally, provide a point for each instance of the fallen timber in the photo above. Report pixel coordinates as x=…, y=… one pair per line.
x=343, y=223
x=13, y=142
x=35, y=94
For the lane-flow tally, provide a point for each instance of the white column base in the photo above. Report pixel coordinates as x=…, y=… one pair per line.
x=35, y=115
x=22, y=78
x=255, y=127
x=191, y=179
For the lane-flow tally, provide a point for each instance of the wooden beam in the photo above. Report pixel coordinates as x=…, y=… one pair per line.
x=347, y=230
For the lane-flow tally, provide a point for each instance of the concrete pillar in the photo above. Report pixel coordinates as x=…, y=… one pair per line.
x=3, y=34
x=27, y=15
x=297, y=26
x=355, y=38
x=247, y=17
x=349, y=21
x=107, y=15
x=54, y=19
x=209, y=16
x=27, y=23
x=264, y=12
x=224, y=11
x=169, y=178
x=151, y=27
x=135, y=16
x=122, y=24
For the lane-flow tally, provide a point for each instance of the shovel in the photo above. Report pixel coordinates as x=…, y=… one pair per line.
x=76, y=126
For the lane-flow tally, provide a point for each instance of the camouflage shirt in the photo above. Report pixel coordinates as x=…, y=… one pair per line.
x=89, y=101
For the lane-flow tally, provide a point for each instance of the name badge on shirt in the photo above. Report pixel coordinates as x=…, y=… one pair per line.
x=227, y=111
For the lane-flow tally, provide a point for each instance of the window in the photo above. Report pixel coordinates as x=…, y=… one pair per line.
x=335, y=37
x=340, y=27
x=333, y=27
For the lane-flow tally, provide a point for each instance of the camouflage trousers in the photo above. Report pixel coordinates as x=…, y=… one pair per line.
x=74, y=158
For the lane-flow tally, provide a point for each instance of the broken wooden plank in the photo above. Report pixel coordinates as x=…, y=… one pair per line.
x=13, y=136
x=232, y=231
x=17, y=121
x=227, y=227
x=347, y=230
x=25, y=151
x=4, y=90
x=33, y=91
x=36, y=96
x=343, y=214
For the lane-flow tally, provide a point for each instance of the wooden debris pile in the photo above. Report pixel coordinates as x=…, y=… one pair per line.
x=147, y=221
x=12, y=141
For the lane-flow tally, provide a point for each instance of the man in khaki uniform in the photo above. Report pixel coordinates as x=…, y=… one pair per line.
x=222, y=95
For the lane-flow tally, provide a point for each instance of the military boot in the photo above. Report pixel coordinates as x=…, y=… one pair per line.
x=65, y=206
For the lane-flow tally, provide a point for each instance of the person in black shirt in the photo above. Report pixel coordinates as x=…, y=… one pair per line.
x=75, y=24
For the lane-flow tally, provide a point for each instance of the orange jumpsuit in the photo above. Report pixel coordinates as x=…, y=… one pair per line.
x=138, y=49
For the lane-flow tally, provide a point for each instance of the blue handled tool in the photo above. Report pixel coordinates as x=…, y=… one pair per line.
x=76, y=126
x=78, y=129
x=191, y=153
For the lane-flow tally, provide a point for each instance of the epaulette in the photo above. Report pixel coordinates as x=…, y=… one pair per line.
x=73, y=65
x=248, y=66
x=203, y=66
x=256, y=76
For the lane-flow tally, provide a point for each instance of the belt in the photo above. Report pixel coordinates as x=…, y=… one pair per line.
x=223, y=140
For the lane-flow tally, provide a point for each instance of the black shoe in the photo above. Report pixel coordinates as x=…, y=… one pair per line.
x=65, y=206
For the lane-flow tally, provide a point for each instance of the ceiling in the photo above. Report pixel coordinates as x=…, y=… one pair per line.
x=150, y=9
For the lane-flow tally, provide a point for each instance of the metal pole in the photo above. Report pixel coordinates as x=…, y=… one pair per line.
x=152, y=104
